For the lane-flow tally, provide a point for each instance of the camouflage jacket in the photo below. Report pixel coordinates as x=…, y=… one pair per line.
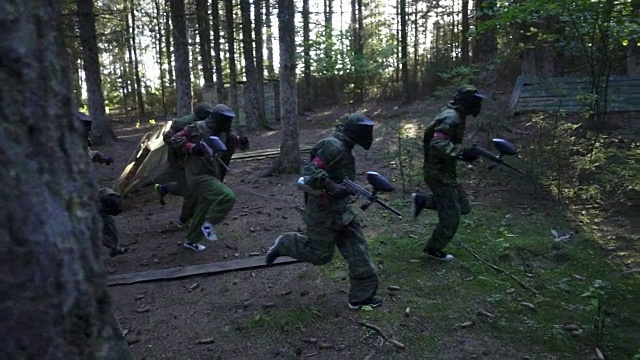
x=199, y=168
x=442, y=143
x=330, y=162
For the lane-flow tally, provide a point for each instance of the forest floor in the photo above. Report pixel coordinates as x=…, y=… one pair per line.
x=512, y=292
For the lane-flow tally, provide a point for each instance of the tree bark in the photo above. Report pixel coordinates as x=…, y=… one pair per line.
x=250, y=94
x=217, y=52
x=289, y=160
x=204, y=35
x=102, y=134
x=404, y=47
x=267, y=23
x=129, y=78
x=54, y=302
x=136, y=67
x=231, y=46
x=330, y=72
x=181, y=49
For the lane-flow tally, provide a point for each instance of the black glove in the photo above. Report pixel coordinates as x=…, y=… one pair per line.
x=108, y=160
x=244, y=143
x=469, y=155
x=102, y=159
x=198, y=150
x=341, y=193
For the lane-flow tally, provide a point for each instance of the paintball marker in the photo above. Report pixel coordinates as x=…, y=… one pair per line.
x=214, y=147
x=504, y=148
x=379, y=184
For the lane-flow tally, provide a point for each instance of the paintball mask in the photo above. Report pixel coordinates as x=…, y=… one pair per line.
x=202, y=111
x=470, y=98
x=359, y=128
x=221, y=118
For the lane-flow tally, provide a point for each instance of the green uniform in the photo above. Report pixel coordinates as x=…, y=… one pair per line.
x=212, y=199
x=332, y=223
x=442, y=145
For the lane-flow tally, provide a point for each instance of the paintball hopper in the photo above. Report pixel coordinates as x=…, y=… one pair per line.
x=215, y=144
x=504, y=148
x=379, y=182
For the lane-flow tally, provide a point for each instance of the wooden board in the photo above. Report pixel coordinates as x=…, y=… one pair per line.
x=202, y=269
x=263, y=153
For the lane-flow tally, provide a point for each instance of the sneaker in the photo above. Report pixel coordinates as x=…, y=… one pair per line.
x=372, y=302
x=194, y=246
x=162, y=191
x=417, y=204
x=118, y=251
x=438, y=255
x=273, y=253
x=209, y=231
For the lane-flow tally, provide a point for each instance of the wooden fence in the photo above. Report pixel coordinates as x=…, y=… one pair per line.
x=571, y=94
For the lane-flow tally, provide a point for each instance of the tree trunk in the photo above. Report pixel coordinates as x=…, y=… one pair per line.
x=306, y=54
x=136, y=67
x=181, y=50
x=231, y=44
x=167, y=40
x=329, y=49
x=257, y=13
x=404, y=49
x=54, y=302
x=160, y=56
x=267, y=23
x=289, y=160
x=217, y=52
x=129, y=78
x=485, y=45
x=464, y=33
x=250, y=93
x=633, y=50
x=102, y=134
x=204, y=35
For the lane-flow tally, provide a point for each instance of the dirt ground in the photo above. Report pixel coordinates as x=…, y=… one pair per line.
x=166, y=320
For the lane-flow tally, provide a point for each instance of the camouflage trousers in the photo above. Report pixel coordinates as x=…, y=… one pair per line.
x=213, y=200
x=318, y=249
x=109, y=232
x=450, y=201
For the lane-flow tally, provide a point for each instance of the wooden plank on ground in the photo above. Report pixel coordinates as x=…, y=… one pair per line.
x=201, y=269
x=263, y=153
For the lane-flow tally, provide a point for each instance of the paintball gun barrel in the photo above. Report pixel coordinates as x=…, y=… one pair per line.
x=379, y=184
x=214, y=147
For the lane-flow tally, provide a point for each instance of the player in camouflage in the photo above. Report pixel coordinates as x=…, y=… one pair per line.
x=212, y=200
x=329, y=216
x=442, y=149
x=176, y=181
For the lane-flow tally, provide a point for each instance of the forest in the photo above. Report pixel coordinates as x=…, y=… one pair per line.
x=561, y=80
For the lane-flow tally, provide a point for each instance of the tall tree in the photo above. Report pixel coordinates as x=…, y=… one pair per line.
x=267, y=24
x=217, y=52
x=306, y=55
x=181, y=50
x=404, y=50
x=167, y=42
x=464, y=33
x=204, y=35
x=231, y=48
x=250, y=93
x=289, y=160
x=101, y=132
x=259, y=56
x=159, y=55
x=136, y=67
x=329, y=49
x=54, y=303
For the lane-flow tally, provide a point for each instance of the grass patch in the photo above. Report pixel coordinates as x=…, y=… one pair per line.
x=281, y=320
x=570, y=284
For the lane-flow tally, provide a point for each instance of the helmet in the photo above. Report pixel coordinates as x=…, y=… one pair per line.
x=221, y=118
x=202, y=111
x=359, y=128
x=470, y=98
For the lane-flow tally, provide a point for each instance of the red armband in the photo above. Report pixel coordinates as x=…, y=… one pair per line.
x=319, y=163
x=441, y=135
